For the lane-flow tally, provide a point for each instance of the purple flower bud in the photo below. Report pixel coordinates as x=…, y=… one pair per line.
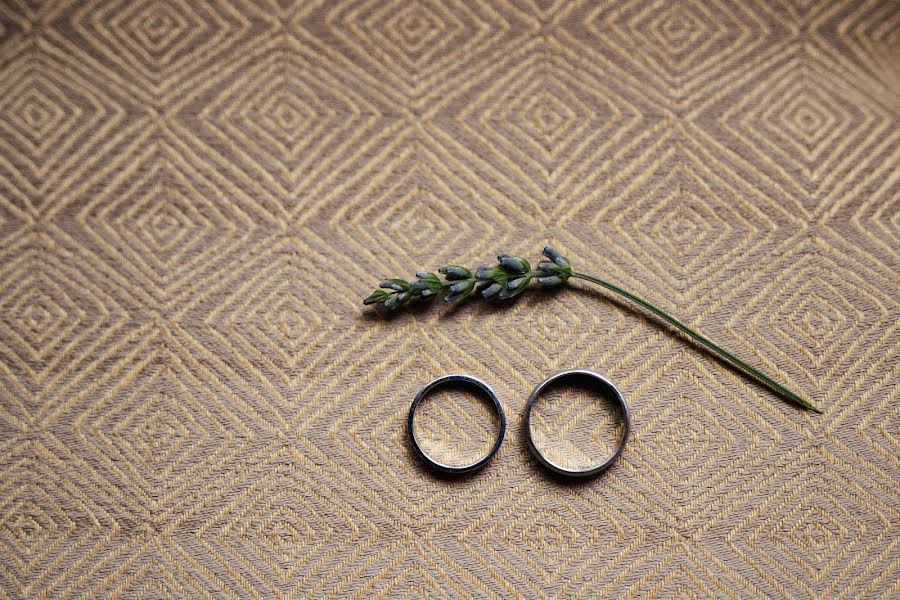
x=557, y=258
x=461, y=286
x=485, y=272
x=515, y=283
x=516, y=264
x=453, y=272
x=550, y=281
x=491, y=290
x=547, y=267
x=399, y=285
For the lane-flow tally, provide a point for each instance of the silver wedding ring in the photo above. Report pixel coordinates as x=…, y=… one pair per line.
x=601, y=385
x=479, y=386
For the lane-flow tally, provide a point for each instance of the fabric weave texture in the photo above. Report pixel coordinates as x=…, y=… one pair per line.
x=195, y=196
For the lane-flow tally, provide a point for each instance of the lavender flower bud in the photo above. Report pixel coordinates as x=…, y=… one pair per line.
x=494, y=274
x=515, y=287
x=460, y=290
x=426, y=282
x=376, y=297
x=491, y=290
x=515, y=283
x=560, y=266
x=550, y=281
x=515, y=264
x=557, y=258
x=400, y=285
x=547, y=267
x=461, y=286
x=485, y=273
x=454, y=273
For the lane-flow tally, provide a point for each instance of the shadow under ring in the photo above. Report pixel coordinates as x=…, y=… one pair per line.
x=452, y=380
x=600, y=384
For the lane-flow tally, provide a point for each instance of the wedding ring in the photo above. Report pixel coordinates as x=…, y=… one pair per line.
x=476, y=384
x=599, y=384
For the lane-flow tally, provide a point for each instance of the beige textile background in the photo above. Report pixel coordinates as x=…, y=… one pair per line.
x=195, y=196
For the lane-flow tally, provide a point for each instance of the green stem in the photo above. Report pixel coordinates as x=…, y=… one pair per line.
x=729, y=357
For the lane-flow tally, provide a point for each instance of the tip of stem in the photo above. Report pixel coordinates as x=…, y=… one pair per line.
x=807, y=405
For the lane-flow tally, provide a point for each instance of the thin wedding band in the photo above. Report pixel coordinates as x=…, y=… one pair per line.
x=472, y=382
x=601, y=384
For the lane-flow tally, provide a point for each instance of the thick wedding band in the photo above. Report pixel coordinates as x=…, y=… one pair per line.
x=601, y=385
x=455, y=380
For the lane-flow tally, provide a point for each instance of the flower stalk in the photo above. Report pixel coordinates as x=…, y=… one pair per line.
x=512, y=276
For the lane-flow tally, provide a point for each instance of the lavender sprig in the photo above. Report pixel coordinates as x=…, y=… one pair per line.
x=512, y=276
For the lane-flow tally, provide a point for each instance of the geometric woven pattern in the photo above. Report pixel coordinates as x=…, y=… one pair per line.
x=196, y=195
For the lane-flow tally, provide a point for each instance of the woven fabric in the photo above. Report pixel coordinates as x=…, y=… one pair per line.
x=196, y=195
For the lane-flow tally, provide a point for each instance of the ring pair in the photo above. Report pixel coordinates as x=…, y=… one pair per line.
x=597, y=382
